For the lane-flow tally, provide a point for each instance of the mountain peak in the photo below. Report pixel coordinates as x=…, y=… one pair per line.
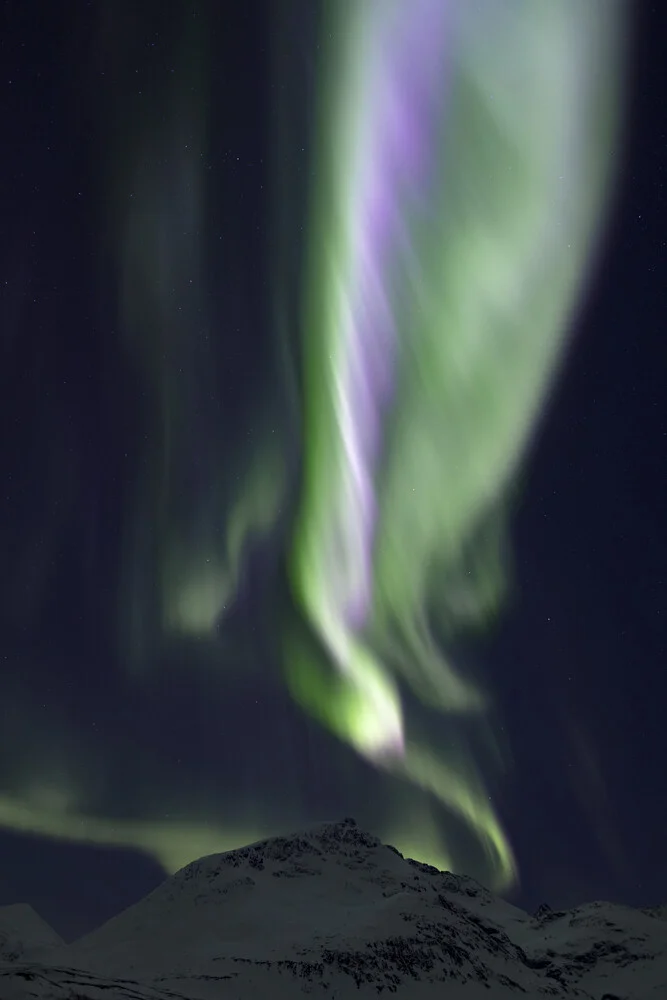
x=333, y=909
x=23, y=933
x=338, y=840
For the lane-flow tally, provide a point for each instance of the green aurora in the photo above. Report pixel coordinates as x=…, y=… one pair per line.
x=461, y=160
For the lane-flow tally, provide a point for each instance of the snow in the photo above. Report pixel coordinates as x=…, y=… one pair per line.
x=333, y=912
x=23, y=934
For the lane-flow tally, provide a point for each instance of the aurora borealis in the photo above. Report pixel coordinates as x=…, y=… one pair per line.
x=454, y=218
x=458, y=170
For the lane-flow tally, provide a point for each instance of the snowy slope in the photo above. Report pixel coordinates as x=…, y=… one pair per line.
x=332, y=912
x=24, y=935
x=603, y=947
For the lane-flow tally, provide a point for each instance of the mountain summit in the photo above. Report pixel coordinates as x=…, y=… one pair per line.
x=333, y=912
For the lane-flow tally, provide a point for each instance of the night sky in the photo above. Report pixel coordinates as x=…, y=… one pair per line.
x=141, y=368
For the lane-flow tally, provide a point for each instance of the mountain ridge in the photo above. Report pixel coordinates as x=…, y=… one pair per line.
x=333, y=911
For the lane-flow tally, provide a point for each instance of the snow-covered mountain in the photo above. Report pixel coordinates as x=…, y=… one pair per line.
x=24, y=936
x=333, y=912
